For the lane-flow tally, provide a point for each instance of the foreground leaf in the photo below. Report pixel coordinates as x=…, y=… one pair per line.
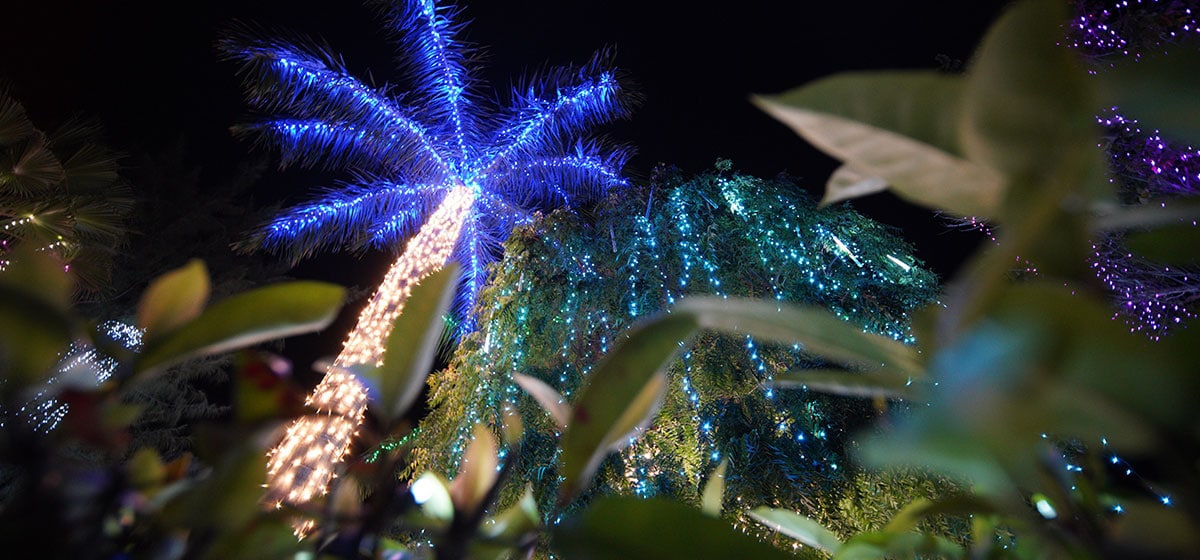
x=477, y=473
x=412, y=344
x=173, y=299
x=33, y=334
x=229, y=497
x=624, y=528
x=1175, y=245
x=714, y=490
x=1026, y=103
x=35, y=325
x=888, y=544
x=846, y=183
x=797, y=527
x=518, y=520
x=546, y=396
x=246, y=319
x=849, y=383
x=900, y=126
x=819, y=331
x=615, y=397
x=1158, y=89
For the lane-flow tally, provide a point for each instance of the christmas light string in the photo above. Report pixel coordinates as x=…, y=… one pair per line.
x=655, y=262
x=303, y=464
x=1152, y=298
x=81, y=363
x=489, y=168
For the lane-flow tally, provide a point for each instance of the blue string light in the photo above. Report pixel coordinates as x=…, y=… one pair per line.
x=526, y=158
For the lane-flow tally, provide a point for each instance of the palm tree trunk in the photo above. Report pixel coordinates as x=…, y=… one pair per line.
x=302, y=465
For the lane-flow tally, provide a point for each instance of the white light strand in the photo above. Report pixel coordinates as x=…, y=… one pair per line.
x=301, y=467
x=79, y=365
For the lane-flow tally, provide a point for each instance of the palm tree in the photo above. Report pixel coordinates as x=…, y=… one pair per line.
x=450, y=168
x=60, y=192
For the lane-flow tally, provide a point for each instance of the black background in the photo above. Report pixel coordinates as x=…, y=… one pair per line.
x=149, y=71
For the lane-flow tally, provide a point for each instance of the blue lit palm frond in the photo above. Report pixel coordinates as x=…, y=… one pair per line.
x=407, y=153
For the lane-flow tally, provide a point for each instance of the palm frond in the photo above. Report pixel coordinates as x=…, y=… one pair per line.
x=351, y=217
x=315, y=143
x=557, y=106
x=518, y=162
x=98, y=221
x=429, y=48
x=89, y=168
x=475, y=250
x=75, y=132
x=580, y=177
x=307, y=86
x=36, y=170
x=91, y=269
x=15, y=126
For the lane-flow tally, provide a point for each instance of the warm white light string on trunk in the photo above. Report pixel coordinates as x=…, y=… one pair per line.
x=301, y=467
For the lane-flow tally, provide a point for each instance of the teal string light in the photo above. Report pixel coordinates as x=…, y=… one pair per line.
x=568, y=287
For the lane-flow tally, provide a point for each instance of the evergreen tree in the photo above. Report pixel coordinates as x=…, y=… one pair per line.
x=568, y=286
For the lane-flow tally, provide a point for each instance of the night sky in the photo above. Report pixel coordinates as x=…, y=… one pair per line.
x=149, y=72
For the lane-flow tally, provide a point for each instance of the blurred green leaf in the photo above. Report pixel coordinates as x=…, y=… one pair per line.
x=476, y=473
x=615, y=395
x=1026, y=101
x=1097, y=359
x=848, y=383
x=713, y=496
x=1177, y=245
x=518, y=520
x=909, y=516
x=33, y=334
x=512, y=428
x=173, y=299
x=118, y=415
x=432, y=493
x=960, y=505
x=39, y=276
x=262, y=388
x=900, y=126
x=624, y=528
x=35, y=325
x=919, y=104
x=246, y=319
x=797, y=527
x=271, y=536
x=546, y=396
x=890, y=544
x=847, y=183
x=819, y=331
x=228, y=499
x=1148, y=529
x=145, y=469
x=638, y=414
x=1158, y=89
x=925, y=443
x=411, y=345
x=1046, y=359
x=1158, y=215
